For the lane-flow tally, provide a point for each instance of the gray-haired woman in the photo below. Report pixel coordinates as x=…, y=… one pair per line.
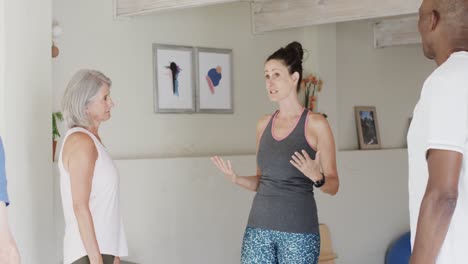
x=89, y=180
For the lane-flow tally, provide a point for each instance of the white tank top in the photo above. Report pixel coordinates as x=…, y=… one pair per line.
x=103, y=204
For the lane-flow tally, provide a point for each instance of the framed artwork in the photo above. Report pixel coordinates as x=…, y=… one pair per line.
x=214, y=80
x=174, y=79
x=367, y=127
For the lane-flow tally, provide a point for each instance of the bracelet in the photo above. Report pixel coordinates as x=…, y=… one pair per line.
x=321, y=182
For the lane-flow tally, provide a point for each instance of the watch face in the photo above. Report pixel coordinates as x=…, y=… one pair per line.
x=318, y=184
x=321, y=182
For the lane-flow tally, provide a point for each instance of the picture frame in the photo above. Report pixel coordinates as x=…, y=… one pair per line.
x=174, y=79
x=214, y=81
x=367, y=127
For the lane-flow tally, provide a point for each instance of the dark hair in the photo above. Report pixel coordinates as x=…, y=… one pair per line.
x=291, y=57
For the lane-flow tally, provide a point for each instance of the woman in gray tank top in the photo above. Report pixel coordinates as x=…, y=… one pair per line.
x=295, y=155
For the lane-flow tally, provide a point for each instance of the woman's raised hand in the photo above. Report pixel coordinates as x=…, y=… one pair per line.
x=225, y=168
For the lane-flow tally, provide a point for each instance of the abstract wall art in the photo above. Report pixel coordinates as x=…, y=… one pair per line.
x=174, y=79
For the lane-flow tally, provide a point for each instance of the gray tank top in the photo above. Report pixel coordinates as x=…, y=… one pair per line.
x=285, y=196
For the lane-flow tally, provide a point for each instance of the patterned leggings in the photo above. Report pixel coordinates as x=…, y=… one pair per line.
x=263, y=246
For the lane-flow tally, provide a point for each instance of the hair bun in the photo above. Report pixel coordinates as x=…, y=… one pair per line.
x=296, y=49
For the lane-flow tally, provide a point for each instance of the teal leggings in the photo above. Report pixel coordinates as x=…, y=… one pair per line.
x=261, y=246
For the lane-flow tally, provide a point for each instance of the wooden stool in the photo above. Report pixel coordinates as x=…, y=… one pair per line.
x=327, y=256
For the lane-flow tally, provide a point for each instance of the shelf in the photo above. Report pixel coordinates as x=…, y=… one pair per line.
x=371, y=150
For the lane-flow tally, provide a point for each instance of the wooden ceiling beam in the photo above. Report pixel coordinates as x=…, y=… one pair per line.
x=396, y=31
x=271, y=15
x=125, y=8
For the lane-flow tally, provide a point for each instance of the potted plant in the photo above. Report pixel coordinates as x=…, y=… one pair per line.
x=55, y=132
x=312, y=86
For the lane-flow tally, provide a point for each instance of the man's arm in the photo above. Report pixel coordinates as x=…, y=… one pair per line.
x=438, y=204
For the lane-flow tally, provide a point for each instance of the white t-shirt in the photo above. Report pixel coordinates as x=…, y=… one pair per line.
x=440, y=121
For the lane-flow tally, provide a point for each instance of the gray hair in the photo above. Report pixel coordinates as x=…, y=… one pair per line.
x=81, y=90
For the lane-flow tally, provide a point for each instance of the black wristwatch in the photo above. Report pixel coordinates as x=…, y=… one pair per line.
x=321, y=182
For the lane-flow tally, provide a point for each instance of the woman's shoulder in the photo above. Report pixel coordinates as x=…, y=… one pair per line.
x=263, y=121
x=316, y=121
x=79, y=145
x=80, y=136
x=80, y=141
x=316, y=116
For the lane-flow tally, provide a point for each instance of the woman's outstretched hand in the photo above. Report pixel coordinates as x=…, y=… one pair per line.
x=225, y=167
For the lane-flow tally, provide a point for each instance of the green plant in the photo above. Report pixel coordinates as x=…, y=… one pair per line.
x=56, y=116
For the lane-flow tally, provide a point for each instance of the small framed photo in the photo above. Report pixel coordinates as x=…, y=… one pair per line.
x=174, y=79
x=367, y=127
x=214, y=80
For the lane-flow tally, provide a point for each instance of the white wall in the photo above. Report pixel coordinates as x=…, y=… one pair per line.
x=355, y=73
x=182, y=210
x=122, y=50
x=26, y=92
x=389, y=79
x=2, y=66
x=323, y=38
x=163, y=193
x=371, y=208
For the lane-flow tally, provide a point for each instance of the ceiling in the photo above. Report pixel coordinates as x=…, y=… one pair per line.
x=395, y=20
